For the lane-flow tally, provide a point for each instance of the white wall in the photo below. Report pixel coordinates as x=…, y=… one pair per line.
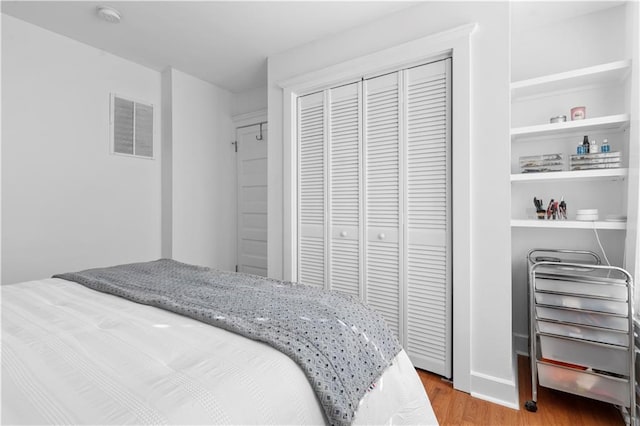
x=488, y=352
x=632, y=261
x=202, y=173
x=67, y=203
x=568, y=44
x=0, y=157
x=605, y=41
x=249, y=101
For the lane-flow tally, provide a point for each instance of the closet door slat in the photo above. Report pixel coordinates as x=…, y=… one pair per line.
x=382, y=163
x=344, y=191
x=311, y=190
x=428, y=277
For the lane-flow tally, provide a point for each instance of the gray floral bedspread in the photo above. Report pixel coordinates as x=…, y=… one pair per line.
x=341, y=344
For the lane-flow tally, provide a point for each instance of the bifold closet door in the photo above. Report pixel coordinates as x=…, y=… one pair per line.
x=311, y=196
x=427, y=225
x=329, y=189
x=375, y=201
x=344, y=189
x=382, y=197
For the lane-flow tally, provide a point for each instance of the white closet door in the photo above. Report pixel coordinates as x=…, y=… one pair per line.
x=428, y=245
x=311, y=192
x=344, y=189
x=375, y=203
x=382, y=197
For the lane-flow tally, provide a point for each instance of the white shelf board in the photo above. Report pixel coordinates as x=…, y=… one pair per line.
x=617, y=121
x=571, y=175
x=567, y=224
x=597, y=75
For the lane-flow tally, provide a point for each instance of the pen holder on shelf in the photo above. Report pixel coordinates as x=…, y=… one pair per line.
x=556, y=210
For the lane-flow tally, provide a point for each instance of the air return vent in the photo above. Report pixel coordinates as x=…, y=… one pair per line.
x=131, y=127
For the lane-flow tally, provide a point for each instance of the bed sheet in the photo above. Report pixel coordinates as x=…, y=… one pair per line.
x=77, y=356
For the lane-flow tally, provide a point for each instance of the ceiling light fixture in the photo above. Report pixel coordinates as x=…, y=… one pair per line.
x=109, y=14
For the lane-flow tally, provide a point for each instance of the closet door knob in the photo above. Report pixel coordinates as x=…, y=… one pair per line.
x=343, y=234
x=381, y=236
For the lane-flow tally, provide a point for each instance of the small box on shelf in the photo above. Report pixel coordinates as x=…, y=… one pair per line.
x=598, y=160
x=542, y=163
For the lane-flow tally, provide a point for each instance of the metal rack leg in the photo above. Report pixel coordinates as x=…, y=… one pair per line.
x=532, y=404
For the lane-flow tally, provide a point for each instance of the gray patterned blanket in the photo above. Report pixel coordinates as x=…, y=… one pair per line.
x=340, y=344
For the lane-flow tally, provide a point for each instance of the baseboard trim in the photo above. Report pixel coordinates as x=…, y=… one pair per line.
x=521, y=343
x=495, y=389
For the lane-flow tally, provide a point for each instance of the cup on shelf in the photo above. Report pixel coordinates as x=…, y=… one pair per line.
x=578, y=113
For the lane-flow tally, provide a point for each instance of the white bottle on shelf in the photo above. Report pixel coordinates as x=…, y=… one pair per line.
x=593, y=147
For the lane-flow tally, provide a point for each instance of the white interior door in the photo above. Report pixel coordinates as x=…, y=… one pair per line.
x=252, y=199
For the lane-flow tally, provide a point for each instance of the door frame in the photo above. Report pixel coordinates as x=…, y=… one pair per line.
x=457, y=44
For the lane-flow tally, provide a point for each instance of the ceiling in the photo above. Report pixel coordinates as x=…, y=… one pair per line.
x=223, y=42
x=526, y=15
x=227, y=42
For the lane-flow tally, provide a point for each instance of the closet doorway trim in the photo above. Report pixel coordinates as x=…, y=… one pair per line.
x=457, y=44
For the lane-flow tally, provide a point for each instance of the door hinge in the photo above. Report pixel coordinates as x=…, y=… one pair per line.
x=235, y=145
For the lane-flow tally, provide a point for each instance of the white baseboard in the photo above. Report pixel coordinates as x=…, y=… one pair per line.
x=521, y=343
x=495, y=389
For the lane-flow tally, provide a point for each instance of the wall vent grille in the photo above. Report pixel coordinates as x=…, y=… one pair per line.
x=131, y=127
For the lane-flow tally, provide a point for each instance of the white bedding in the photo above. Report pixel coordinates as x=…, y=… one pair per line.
x=76, y=356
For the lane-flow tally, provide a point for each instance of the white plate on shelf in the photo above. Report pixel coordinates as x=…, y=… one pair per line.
x=587, y=218
x=586, y=211
x=615, y=218
x=587, y=214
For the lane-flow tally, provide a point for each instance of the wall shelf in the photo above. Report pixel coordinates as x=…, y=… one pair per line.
x=600, y=174
x=609, y=122
x=567, y=224
x=599, y=75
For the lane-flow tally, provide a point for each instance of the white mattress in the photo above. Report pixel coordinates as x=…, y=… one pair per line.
x=76, y=356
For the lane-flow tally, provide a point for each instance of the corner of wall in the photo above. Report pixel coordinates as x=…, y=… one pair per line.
x=632, y=248
x=1, y=280
x=166, y=215
x=249, y=101
x=495, y=389
x=521, y=343
x=201, y=207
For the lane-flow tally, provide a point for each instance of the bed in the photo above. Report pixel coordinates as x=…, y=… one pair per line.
x=74, y=355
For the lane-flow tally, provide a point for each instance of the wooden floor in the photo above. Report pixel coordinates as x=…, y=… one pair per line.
x=453, y=407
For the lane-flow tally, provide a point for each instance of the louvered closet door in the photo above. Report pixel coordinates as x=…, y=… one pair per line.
x=428, y=247
x=374, y=202
x=311, y=190
x=382, y=183
x=344, y=189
